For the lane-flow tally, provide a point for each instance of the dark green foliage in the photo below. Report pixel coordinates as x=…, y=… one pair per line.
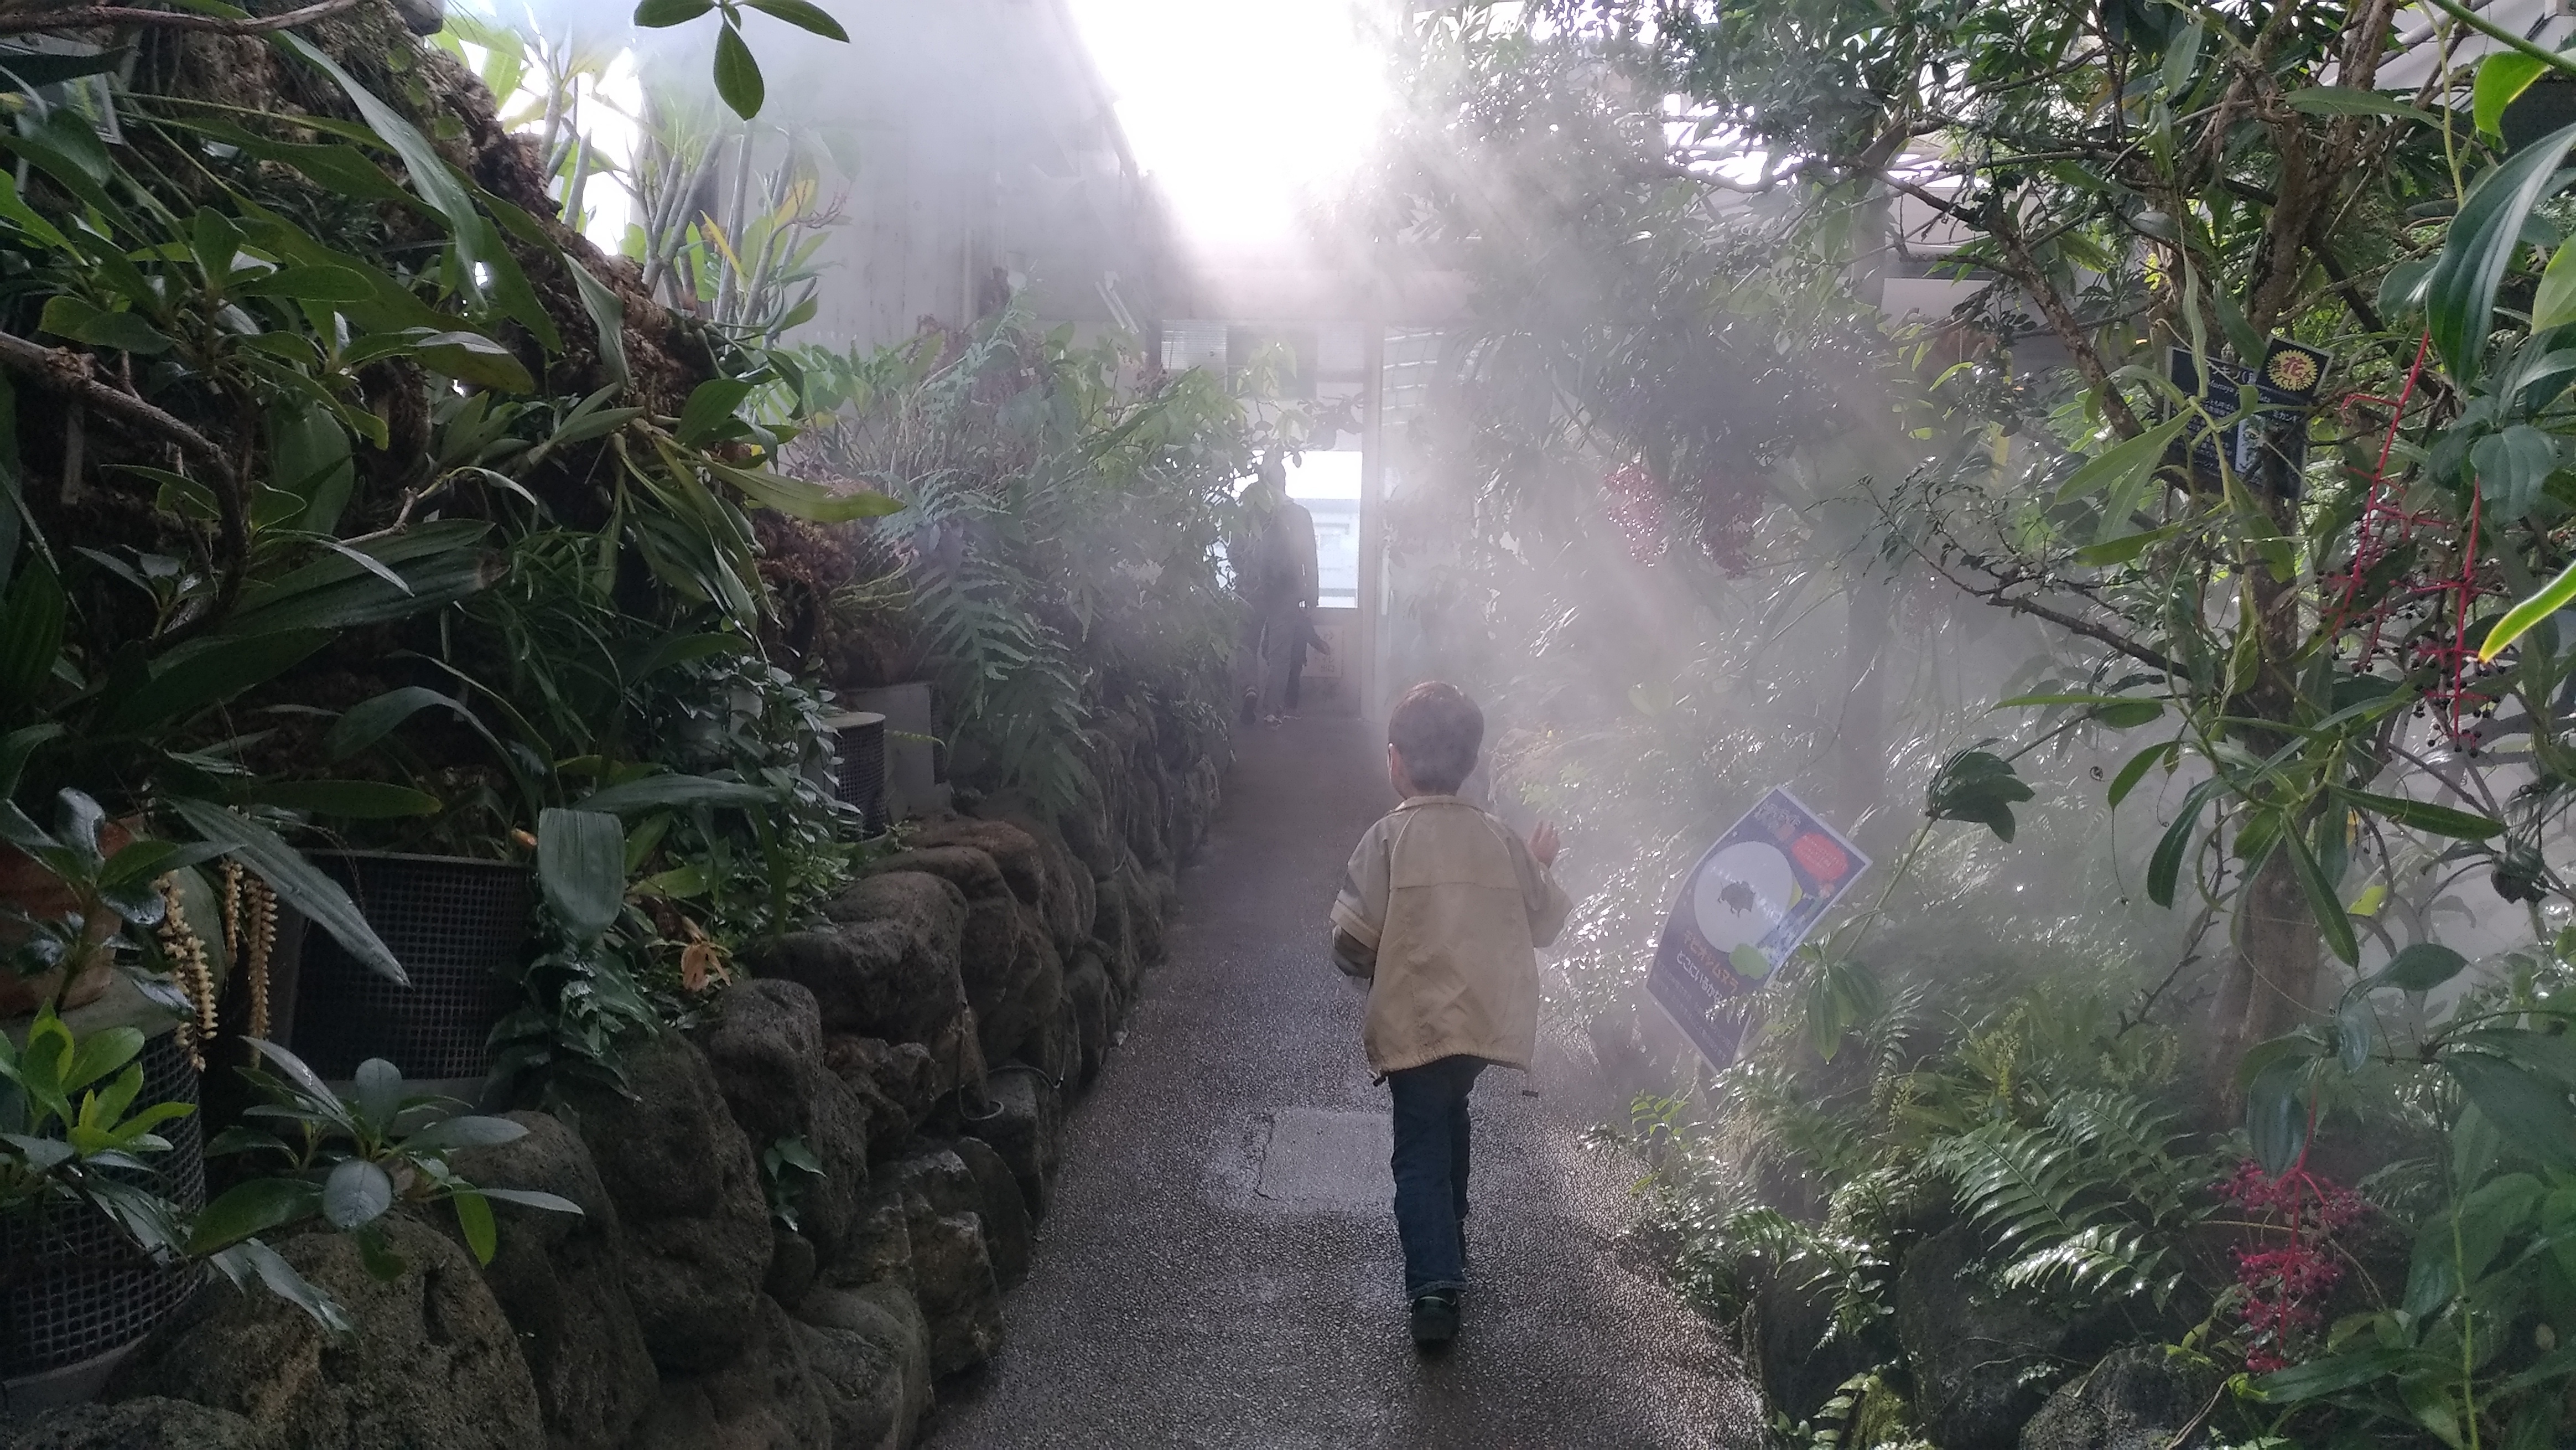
x=1977, y=785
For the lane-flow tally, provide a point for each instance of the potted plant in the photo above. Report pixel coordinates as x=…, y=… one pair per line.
x=458, y=925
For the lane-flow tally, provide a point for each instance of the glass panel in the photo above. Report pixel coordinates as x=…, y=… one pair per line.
x=1328, y=484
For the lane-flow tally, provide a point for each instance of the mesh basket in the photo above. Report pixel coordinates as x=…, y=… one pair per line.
x=77, y=1286
x=859, y=781
x=454, y=925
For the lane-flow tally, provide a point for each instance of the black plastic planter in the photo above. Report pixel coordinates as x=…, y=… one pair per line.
x=76, y=1286
x=859, y=781
x=456, y=925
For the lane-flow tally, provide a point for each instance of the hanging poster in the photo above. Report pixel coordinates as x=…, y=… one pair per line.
x=1743, y=909
x=2269, y=455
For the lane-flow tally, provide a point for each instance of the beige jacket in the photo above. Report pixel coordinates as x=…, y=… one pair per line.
x=1451, y=909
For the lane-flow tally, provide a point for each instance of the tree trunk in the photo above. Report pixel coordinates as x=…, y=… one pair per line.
x=2269, y=984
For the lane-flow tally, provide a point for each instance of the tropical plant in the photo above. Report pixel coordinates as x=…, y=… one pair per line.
x=1063, y=535
x=73, y=1132
x=348, y=1162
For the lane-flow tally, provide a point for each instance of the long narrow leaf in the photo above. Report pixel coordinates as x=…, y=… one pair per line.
x=2459, y=297
x=295, y=879
x=2323, y=900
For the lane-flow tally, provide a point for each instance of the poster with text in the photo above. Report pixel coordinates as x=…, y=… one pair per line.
x=1743, y=909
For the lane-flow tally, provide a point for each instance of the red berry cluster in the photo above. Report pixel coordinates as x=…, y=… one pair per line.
x=1635, y=503
x=2286, y=1285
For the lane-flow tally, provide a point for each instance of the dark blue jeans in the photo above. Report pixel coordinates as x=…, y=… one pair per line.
x=1431, y=1171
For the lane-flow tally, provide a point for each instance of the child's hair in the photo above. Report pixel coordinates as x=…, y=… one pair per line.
x=1438, y=731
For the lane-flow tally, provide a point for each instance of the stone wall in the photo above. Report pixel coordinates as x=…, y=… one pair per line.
x=920, y=1044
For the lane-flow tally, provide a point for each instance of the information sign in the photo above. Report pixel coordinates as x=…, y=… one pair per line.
x=2268, y=456
x=1743, y=909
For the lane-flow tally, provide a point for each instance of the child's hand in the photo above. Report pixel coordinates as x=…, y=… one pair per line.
x=1542, y=844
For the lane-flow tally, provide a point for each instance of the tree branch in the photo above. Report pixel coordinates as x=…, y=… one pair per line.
x=67, y=374
x=2016, y=263
x=95, y=17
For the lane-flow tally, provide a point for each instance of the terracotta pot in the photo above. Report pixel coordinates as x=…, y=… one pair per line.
x=31, y=889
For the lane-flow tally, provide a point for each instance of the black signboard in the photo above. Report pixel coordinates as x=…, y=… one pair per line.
x=2267, y=452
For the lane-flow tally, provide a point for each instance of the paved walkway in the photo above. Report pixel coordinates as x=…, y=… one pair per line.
x=1220, y=1268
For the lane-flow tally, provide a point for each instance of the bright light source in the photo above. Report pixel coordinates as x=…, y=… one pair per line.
x=1244, y=110
x=1324, y=475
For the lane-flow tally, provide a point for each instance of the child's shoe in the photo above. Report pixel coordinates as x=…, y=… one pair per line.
x=1435, y=1318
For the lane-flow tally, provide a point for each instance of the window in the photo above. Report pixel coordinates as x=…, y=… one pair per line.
x=1328, y=484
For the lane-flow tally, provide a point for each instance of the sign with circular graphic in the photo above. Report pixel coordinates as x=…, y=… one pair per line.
x=1743, y=909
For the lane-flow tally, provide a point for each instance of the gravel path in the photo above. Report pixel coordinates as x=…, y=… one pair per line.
x=1220, y=1268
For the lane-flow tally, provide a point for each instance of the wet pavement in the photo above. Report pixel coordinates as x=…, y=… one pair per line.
x=1220, y=1268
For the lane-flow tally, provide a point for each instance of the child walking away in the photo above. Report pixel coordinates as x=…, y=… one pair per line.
x=1441, y=913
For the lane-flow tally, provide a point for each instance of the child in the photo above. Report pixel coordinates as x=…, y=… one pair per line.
x=1442, y=912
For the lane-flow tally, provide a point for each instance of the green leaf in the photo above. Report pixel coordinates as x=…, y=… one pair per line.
x=32, y=617
x=311, y=1092
x=2529, y=1111
x=99, y=1054
x=2517, y=622
x=2276, y=1113
x=654, y=791
x=2331, y=1375
x=2323, y=900
x=803, y=15
x=293, y=878
x=357, y=1193
x=661, y=14
x=2460, y=295
x=474, y=1221
x=2182, y=58
x=379, y=1095
x=253, y=1258
x=309, y=453
x=532, y=1198
x=2356, y=1031
x=2425, y=816
x=2346, y=101
x=370, y=720
x=2137, y=768
x=2549, y=1054
x=2513, y=469
x=436, y=564
x=2122, y=466
x=608, y=316
x=466, y=1130
x=2420, y=967
x=2164, y=867
x=1977, y=785
x=470, y=232
x=737, y=74
x=356, y=800
x=2113, y=552
x=205, y=673
x=117, y=331
x=253, y=1206
x=581, y=867
x=28, y=220
x=710, y=408
x=308, y=284
x=2554, y=305
x=2502, y=77
x=804, y=500
x=471, y=357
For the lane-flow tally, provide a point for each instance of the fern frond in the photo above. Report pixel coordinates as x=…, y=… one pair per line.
x=2103, y=1260
x=2018, y=1182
